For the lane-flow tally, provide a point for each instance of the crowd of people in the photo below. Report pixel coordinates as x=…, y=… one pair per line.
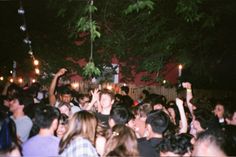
x=62, y=122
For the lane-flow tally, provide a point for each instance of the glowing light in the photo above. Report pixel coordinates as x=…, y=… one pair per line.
x=180, y=70
x=11, y=71
x=180, y=66
x=37, y=71
x=36, y=62
x=20, y=80
x=21, y=11
x=109, y=87
x=164, y=81
x=23, y=28
x=124, y=84
x=11, y=80
x=30, y=52
x=75, y=85
x=1, y=78
x=33, y=80
x=27, y=41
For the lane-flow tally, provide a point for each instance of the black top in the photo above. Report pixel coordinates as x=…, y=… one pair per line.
x=103, y=119
x=148, y=148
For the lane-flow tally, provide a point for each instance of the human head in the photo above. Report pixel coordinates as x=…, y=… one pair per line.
x=118, y=115
x=82, y=124
x=106, y=98
x=204, y=119
x=175, y=145
x=46, y=117
x=124, y=139
x=65, y=94
x=157, y=101
x=62, y=126
x=144, y=109
x=83, y=99
x=20, y=101
x=231, y=116
x=125, y=90
x=174, y=113
x=65, y=108
x=210, y=143
x=157, y=122
x=219, y=110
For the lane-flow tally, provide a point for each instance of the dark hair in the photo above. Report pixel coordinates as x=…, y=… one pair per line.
x=45, y=115
x=176, y=110
x=63, y=119
x=144, y=109
x=119, y=114
x=154, y=99
x=8, y=137
x=177, y=144
x=13, y=89
x=206, y=118
x=225, y=140
x=158, y=120
x=64, y=90
x=125, y=89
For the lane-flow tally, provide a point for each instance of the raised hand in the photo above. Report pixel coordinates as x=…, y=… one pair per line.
x=187, y=85
x=61, y=72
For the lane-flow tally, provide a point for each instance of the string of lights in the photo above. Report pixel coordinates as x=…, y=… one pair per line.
x=26, y=40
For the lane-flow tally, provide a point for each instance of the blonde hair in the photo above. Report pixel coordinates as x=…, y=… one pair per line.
x=122, y=141
x=82, y=124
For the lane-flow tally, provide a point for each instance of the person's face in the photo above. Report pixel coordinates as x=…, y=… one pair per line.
x=106, y=101
x=66, y=98
x=83, y=101
x=64, y=109
x=14, y=105
x=131, y=124
x=219, y=111
x=197, y=126
x=61, y=130
x=233, y=120
x=157, y=107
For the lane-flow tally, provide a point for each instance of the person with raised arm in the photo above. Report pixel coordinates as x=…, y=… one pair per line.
x=64, y=93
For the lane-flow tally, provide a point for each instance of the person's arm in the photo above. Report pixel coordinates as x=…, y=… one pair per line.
x=189, y=96
x=4, y=92
x=183, y=118
x=51, y=91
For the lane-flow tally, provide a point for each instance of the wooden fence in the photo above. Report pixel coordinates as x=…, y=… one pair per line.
x=169, y=93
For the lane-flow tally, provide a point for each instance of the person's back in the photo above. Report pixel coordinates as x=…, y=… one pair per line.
x=41, y=146
x=45, y=143
x=157, y=123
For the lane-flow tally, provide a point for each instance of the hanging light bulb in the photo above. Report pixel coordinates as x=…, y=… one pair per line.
x=33, y=80
x=37, y=71
x=36, y=62
x=21, y=11
x=1, y=78
x=20, y=80
x=27, y=41
x=164, y=82
x=23, y=28
x=30, y=52
x=11, y=80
